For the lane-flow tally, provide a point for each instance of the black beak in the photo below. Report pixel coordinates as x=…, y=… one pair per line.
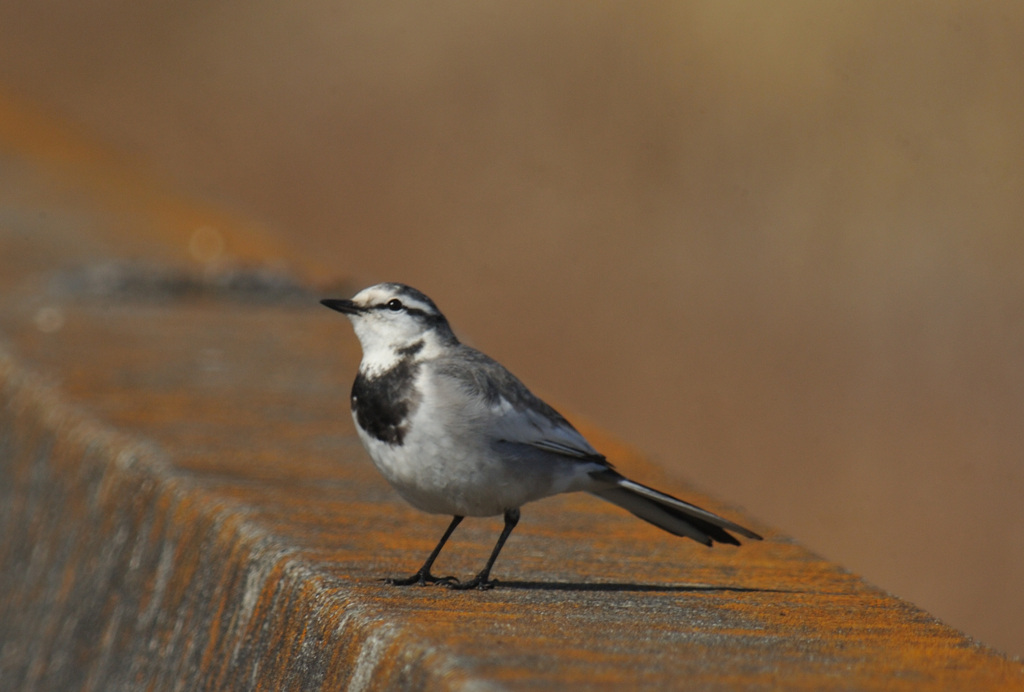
x=345, y=306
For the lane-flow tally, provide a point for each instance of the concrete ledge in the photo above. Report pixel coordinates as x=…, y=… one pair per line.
x=183, y=505
x=120, y=574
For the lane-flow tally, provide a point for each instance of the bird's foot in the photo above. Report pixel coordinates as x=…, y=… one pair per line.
x=479, y=582
x=420, y=579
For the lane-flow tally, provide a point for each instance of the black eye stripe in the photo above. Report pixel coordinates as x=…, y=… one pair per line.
x=399, y=305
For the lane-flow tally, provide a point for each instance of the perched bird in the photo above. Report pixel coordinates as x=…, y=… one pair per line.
x=456, y=433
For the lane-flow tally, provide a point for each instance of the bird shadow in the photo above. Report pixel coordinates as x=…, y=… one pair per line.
x=629, y=587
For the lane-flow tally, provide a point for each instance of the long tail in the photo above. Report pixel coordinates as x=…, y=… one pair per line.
x=670, y=513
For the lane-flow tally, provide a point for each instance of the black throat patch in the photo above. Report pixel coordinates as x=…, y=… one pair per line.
x=384, y=403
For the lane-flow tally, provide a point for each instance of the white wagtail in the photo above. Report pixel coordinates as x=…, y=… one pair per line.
x=456, y=433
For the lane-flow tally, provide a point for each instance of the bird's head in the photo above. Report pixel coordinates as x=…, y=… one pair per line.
x=393, y=321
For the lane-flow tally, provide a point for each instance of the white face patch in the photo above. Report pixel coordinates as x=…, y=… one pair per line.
x=395, y=323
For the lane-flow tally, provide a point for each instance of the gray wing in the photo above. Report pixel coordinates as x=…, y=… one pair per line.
x=522, y=422
x=519, y=416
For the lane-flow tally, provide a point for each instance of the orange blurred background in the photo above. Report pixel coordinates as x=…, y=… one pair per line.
x=778, y=247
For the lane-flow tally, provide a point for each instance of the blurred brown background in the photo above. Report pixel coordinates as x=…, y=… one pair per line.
x=779, y=247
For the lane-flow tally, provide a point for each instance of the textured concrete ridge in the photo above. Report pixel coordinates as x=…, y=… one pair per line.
x=184, y=505
x=121, y=574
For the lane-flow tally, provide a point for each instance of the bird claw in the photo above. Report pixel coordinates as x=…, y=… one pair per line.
x=479, y=583
x=406, y=581
x=420, y=579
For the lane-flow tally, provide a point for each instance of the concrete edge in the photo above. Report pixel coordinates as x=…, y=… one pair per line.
x=189, y=593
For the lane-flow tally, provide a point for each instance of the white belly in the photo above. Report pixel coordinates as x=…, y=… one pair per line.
x=435, y=474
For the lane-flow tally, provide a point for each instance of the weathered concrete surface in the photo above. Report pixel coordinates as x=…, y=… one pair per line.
x=183, y=505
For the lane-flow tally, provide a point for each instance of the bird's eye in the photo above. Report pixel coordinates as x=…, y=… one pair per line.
x=395, y=305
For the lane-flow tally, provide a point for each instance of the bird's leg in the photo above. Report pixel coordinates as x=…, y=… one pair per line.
x=423, y=576
x=481, y=581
